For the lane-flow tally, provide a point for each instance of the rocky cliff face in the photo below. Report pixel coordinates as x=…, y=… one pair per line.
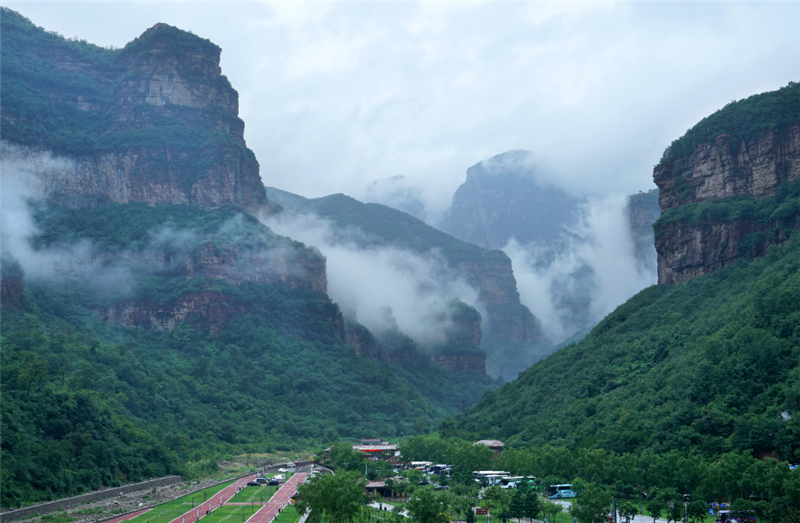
x=462, y=362
x=501, y=199
x=728, y=167
x=155, y=122
x=724, y=168
x=642, y=211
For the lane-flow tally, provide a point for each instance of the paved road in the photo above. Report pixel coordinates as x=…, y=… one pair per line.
x=278, y=501
x=639, y=518
x=128, y=516
x=214, y=502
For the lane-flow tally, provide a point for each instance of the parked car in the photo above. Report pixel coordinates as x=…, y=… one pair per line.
x=262, y=480
x=283, y=469
x=274, y=481
x=253, y=483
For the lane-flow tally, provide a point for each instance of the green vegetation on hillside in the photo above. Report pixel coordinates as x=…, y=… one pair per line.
x=88, y=404
x=742, y=120
x=707, y=366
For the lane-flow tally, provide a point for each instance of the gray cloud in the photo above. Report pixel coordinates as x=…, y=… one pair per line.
x=592, y=271
x=367, y=281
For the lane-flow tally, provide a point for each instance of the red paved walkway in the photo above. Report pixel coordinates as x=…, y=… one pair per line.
x=278, y=501
x=127, y=516
x=214, y=502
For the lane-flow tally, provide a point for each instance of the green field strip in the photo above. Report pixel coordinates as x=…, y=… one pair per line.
x=230, y=514
x=177, y=507
x=253, y=494
x=289, y=515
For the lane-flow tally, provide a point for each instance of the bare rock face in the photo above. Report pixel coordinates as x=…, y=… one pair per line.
x=166, y=128
x=687, y=250
x=493, y=276
x=642, y=211
x=212, y=310
x=722, y=169
x=462, y=362
x=10, y=292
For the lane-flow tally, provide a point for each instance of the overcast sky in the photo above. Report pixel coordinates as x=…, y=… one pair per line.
x=337, y=95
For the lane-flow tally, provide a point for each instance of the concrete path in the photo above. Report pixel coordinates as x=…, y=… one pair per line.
x=279, y=501
x=639, y=518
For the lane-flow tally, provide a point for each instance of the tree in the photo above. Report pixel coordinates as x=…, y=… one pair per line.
x=390, y=485
x=426, y=507
x=517, y=506
x=532, y=505
x=592, y=505
x=697, y=511
x=653, y=507
x=470, y=515
x=339, y=497
x=627, y=510
x=551, y=508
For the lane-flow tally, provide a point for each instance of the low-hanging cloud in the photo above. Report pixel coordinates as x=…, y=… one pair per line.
x=589, y=273
x=367, y=279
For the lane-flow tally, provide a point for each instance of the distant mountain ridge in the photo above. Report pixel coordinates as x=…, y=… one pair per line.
x=512, y=329
x=501, y=199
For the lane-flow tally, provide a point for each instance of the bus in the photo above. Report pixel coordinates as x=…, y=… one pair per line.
x=515, y=481
x=421, y=465
x=564, y=490
x=492, y=477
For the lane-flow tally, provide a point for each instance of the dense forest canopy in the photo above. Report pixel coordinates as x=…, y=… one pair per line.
x=742, y=120
x=711, y=366
x=277, y=377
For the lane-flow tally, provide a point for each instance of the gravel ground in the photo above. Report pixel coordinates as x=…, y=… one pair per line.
x=107, y=508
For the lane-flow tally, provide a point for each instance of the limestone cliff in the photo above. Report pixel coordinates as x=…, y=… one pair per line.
x=501, y=199
x=155, y=122
x=730, y=196
x=642, y=211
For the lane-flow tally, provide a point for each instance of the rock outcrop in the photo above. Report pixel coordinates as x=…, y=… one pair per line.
x=642, y=211
x=501, y=199
x=461, y=362
x=155, y=122
x=725, y=168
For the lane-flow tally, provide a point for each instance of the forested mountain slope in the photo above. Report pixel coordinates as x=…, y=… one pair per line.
x=709, y=365
x=513, y=338
x=89, y=403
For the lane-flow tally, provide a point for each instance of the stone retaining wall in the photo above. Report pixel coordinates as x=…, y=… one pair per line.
x=62, y=504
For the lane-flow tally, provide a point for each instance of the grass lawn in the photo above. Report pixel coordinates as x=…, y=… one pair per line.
x=289, y=515
x=177, y=507
x=253, y=494
x=229, y=514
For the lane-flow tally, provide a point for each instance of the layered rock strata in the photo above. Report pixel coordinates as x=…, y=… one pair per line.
x=724, y=168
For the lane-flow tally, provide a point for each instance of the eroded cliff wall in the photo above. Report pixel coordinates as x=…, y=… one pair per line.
x=731, y=196
x=155, y=122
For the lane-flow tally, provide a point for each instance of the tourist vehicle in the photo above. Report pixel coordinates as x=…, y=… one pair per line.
x=563, y=490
